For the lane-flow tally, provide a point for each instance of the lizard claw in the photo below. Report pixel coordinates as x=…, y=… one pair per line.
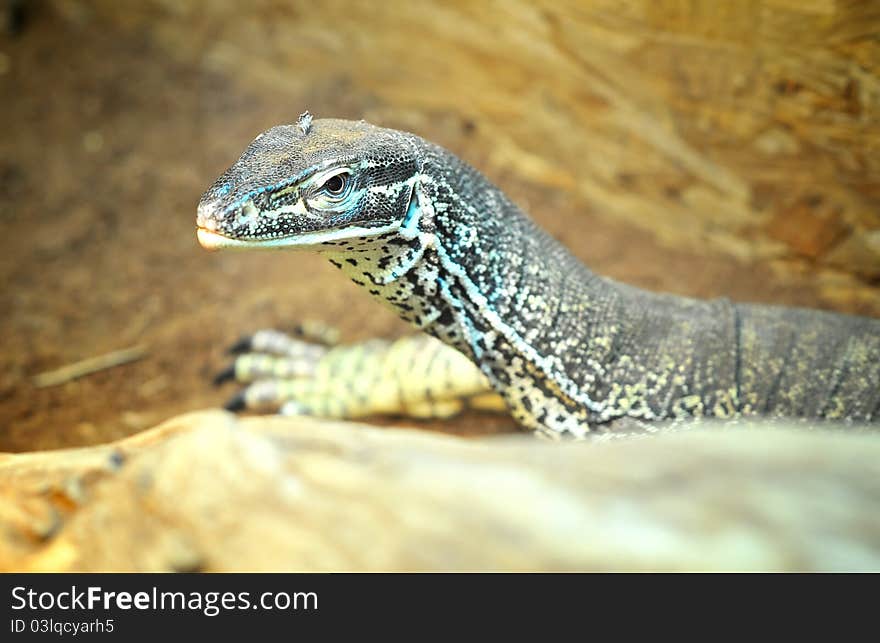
x=236, y=403
x=243, y=345
x=226, y=375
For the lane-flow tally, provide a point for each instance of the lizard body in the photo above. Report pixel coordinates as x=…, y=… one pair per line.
x=568, y=350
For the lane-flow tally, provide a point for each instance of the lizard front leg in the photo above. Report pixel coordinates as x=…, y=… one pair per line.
x=414, y=376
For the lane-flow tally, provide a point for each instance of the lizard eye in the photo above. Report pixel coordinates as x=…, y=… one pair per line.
x=335, y=185
x=331, y=191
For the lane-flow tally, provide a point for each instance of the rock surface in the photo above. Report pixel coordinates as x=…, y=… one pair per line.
x=209, y=491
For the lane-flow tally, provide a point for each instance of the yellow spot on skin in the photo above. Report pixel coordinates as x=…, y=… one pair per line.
x=323, y=139
x=284, y=191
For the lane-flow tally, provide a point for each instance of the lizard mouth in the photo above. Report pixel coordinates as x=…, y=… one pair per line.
x=211, y=240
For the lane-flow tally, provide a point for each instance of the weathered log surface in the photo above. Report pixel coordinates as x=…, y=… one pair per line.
x=208, y=491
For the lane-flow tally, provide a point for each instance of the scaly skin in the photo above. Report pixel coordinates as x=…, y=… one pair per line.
x=568, y=350
x=415, y=376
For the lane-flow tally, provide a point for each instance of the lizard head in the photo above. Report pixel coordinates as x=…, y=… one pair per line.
x=311, y=183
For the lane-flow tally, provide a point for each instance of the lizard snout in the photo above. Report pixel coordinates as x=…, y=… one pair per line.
x=207, y=215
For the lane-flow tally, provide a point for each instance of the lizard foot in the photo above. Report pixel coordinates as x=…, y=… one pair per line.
x=415, y=376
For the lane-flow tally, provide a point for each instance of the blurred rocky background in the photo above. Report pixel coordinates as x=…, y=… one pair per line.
x=727, y=148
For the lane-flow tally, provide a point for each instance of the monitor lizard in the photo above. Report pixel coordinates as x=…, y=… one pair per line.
x=569, y=352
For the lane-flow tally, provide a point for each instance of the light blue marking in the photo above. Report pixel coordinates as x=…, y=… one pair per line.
x=470, y=332
x=411, y=212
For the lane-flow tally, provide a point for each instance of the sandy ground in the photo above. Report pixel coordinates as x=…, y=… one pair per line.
x=106, y=148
